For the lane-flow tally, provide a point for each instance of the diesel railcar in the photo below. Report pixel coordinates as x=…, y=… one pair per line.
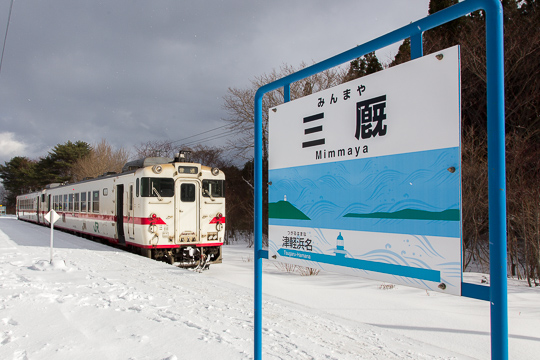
x=166, y=209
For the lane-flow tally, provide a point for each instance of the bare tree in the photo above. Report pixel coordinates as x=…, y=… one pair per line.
x=155, y=148
x=205, y=155
x=239, y=103
x=209, y=156
x=101, y=159
x=475, y=198
x=523, y=204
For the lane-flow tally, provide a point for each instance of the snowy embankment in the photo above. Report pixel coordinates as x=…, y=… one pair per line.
x=97, y=302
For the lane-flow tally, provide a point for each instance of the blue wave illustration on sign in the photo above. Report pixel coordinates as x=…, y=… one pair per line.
x=412, y=193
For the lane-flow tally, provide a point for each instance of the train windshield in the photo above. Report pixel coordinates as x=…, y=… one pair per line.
x=213, y=188
x=157, y=187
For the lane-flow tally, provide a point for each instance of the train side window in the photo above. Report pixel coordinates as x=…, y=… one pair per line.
x=76, y=204
x=70, y=202
x=187, y=192
x=65, y=203
x=95, y=201
x=83, y=202
x=89, y=201
x=137, y=188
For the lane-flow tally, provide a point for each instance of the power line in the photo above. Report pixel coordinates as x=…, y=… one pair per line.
x=210, y=138
x=5, y=36
x=204, y=132
x=205, y=140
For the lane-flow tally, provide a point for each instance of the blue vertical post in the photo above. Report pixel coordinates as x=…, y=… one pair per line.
x=497, y=180
x=287, y=93
x=258, y=218
x=417, y=47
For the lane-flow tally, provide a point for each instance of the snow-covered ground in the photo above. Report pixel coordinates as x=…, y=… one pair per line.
x=97, y=302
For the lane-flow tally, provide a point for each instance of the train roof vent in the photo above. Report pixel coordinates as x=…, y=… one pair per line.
x=51, y=186
x=149, y=161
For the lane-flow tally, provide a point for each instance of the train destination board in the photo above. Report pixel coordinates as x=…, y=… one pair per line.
x=365, y=177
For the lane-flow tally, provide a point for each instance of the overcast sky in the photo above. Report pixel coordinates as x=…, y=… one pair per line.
x=134, y=71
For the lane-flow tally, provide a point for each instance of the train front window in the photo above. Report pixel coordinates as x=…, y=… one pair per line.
x=187, y=192
x=213, y=188
x=157, y=187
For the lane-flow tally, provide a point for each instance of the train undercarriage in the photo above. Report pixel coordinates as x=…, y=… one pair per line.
x=190, y=257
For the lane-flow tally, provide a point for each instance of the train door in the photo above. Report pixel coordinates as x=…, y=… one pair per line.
x=131, y=218
x=38, y=205
x=187, y=216
x=43, y=208
x=120, y=214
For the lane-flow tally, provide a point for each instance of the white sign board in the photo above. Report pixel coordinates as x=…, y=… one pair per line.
x=52, y=217
x=365, y=177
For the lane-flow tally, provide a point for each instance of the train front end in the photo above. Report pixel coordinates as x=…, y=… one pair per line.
x=185, y=207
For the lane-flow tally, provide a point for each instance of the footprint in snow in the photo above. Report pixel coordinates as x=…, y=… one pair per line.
x=9, y=321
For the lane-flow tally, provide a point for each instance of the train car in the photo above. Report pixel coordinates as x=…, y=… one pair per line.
x=28, y=205
x=166, y=209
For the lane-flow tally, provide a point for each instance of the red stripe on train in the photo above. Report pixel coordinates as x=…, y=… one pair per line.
x=218, y=220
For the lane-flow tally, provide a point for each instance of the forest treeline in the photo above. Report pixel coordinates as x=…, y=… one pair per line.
x=522, y=81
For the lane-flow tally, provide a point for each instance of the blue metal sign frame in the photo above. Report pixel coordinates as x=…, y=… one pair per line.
x=497, y=292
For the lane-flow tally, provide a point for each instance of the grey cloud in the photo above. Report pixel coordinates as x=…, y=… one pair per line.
x=132, y=71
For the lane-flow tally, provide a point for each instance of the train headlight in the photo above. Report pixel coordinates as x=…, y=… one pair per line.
x=215, y=171
x=157, y=169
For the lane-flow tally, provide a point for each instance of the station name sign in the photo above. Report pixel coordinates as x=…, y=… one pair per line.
x=366, y=176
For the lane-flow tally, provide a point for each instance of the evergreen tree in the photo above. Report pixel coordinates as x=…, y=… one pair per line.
x=57, y=166
x=21, y=175
x=18, y=176
x=447, y=34
x=403, y=54
x=438, y=5
x=362, y=66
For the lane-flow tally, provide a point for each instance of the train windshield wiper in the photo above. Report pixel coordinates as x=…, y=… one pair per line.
x=154, y=190
x=210, y=195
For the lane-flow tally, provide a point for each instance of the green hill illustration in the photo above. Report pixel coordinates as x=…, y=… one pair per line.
x=411, y=214
x=285, y=210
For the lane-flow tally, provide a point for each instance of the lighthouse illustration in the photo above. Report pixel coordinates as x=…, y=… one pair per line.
x=340, y=249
